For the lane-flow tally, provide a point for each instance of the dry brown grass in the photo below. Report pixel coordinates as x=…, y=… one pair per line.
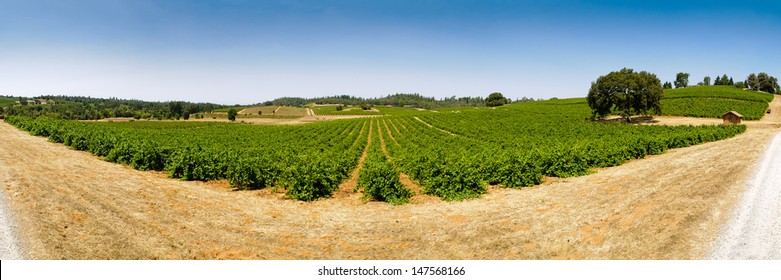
x=72, y=205
x=263, y=110
x=290, y=111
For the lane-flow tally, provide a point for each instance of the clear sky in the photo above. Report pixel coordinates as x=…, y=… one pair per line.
x=236, y=51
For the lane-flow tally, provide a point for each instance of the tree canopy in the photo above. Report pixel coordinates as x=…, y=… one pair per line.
x=681, y=80
x=767, y=83
x=495, y=99
x=762, y=82
x=626, y=91
x=752, y=82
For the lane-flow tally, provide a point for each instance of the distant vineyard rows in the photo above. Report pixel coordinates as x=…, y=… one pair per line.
x=714, y=101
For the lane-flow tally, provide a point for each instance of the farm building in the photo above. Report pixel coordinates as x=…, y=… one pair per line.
x=732, y=117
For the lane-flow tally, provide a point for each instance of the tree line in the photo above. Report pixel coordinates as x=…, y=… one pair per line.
x=398, y=100
x=89, y=108
x=756, y=82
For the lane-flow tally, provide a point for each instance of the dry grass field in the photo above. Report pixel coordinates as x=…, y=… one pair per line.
x=263, y=110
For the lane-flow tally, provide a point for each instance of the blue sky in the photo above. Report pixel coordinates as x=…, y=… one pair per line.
x=236, y=51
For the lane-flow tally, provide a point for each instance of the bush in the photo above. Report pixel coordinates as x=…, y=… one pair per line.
x=380, y=180
x=250, y=173
x=452, y=179
x=495, y=99
x=312, y=178
x=512, y=170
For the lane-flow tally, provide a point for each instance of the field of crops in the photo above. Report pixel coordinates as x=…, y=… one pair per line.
x=714, y=101
x=453, y=154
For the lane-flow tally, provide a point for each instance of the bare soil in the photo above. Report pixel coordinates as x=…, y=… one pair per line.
x=72, y=205
x=348, y=188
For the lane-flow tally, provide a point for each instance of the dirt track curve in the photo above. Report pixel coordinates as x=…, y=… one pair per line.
x=72, y=205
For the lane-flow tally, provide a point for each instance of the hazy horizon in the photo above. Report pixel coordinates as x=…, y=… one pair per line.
x=245, y=52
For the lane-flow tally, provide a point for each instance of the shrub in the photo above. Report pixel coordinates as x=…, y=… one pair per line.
x=380, y=180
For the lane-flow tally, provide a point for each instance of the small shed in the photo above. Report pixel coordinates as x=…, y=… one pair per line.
x=732, y=117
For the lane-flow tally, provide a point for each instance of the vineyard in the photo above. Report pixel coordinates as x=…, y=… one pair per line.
x=453, y=154
x=713, y=101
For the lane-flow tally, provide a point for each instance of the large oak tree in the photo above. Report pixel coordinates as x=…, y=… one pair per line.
x=626, y=91
x=495, y=99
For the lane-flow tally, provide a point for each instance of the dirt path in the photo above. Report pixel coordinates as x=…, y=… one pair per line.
x=72, y=205
x=10, y=248
x=348, y=187
x=754, y=231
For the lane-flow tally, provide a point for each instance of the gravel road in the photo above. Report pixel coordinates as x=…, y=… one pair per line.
x=754, y=229
x=9, y=243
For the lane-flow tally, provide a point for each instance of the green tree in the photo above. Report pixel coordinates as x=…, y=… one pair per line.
x=767, y=83
x=752, y=82
x=495, y=99
x=232, y=114
x=667, y=85
x=731, y=83
x=186, y=115
x=176, y=109
x=724, y=80
x=626, y=91
x=681, y=80
x=706, y=81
